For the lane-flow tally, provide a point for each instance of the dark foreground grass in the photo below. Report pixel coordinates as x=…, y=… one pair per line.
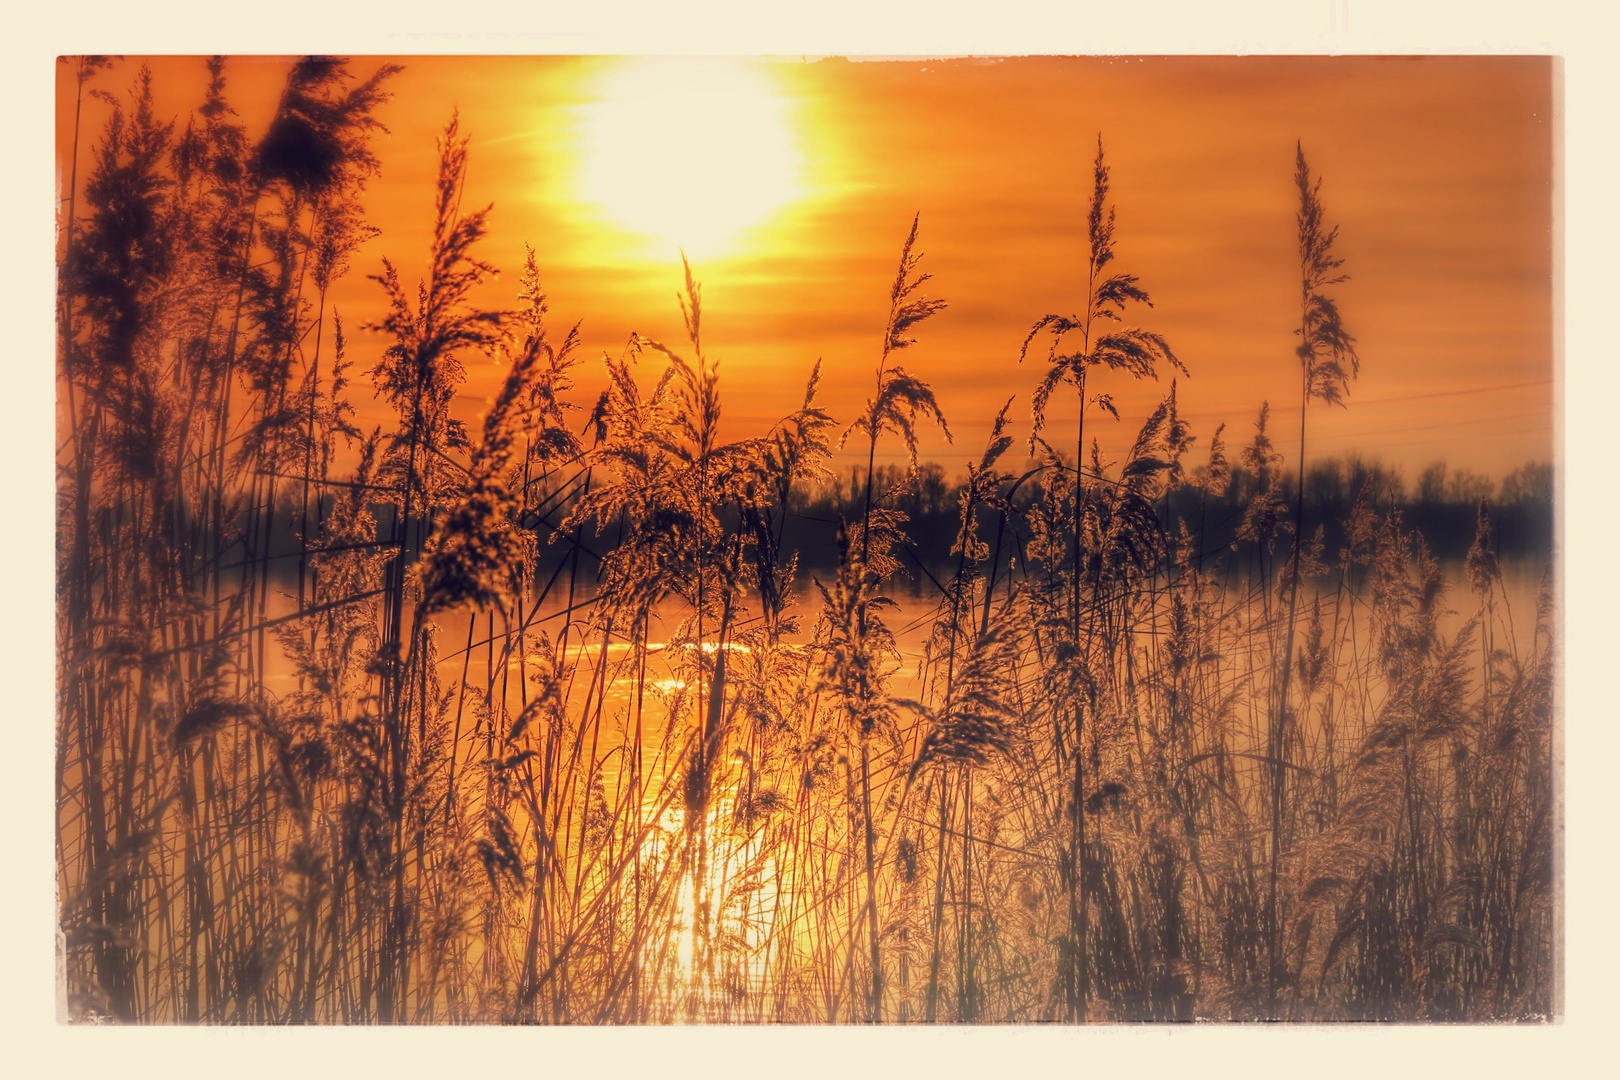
x=547, y=723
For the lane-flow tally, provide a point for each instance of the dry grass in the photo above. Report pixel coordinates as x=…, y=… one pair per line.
x=547, y=723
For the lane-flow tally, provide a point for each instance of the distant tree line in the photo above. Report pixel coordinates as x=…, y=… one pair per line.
x=1443, y=505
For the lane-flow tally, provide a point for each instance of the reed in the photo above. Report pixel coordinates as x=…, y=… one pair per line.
x=590, y=714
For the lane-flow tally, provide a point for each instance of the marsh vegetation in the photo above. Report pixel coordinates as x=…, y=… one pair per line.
x=588, y=715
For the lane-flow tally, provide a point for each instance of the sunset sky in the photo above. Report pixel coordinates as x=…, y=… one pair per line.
x=1438, y=170
x=791, y=185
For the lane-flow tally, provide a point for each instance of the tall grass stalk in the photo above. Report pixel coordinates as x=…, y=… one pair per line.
x=594, y=710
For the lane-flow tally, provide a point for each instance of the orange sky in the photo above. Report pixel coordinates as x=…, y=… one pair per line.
x=1437, y=170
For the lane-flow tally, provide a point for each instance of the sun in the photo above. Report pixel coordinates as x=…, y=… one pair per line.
x=689, y=154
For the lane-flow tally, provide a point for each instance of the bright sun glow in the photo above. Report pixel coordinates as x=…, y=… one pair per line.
x=690, y=153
